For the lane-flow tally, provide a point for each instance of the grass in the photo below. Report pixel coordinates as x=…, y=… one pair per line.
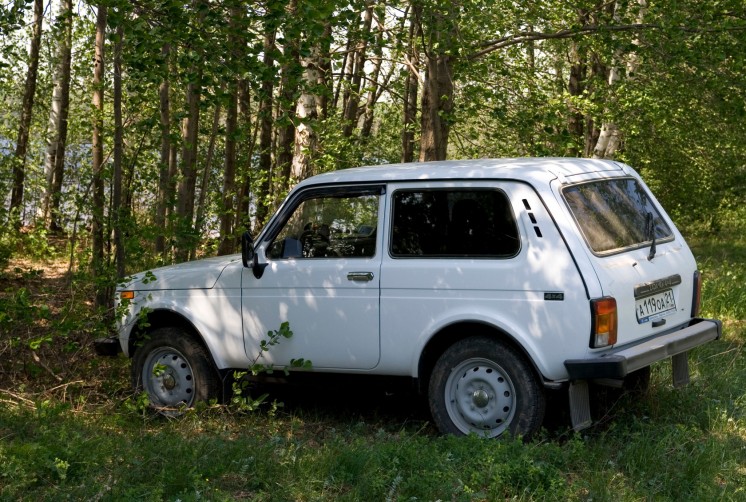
x=70, y=428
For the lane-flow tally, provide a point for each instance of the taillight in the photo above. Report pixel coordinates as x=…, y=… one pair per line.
x=604, y=329
x=697, y=294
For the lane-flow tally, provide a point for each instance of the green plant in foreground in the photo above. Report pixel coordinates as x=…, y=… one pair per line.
x=241, y=396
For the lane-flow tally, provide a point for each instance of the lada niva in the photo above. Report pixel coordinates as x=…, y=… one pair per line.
x=485, y=282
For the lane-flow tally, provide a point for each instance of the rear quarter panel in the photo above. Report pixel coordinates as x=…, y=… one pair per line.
x=421, y=296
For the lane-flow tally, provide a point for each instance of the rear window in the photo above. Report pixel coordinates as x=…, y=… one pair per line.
x=442, y=223
x=615, y=215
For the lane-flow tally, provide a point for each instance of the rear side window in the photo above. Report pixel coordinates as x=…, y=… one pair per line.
x=453, y=223
x=615, y=215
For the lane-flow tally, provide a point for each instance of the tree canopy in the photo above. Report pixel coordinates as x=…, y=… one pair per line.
x=206, y=112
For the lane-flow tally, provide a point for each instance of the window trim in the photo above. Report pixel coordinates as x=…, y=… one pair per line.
x=455, y=188
x=276, y=224
x=625, y=249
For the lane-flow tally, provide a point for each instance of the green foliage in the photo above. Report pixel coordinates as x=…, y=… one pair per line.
x=241, y=387
x=722, y=260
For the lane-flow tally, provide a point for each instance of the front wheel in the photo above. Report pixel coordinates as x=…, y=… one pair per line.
x=483, y=386
x=174, y=371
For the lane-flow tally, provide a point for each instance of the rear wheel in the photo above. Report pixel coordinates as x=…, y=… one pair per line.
x=175, y=371
x=483, y=386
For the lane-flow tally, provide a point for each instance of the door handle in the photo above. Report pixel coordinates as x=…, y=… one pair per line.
x=360, y=276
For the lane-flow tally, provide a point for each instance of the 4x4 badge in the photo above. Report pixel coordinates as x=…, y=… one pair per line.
x=554, y=297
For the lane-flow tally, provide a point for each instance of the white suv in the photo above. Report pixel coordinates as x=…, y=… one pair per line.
x=486, y=282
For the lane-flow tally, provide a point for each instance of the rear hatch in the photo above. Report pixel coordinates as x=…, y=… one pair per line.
x=640, y=259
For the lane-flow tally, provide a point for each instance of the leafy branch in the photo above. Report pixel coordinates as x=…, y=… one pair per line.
x=241, y=399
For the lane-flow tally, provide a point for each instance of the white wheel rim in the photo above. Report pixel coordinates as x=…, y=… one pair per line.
x=168, y=379
x=480, y=397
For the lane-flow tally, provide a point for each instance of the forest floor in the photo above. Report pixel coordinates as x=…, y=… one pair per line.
x=71, y=426
x=47, y=326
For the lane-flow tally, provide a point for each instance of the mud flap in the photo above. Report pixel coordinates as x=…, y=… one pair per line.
x=680, y=367
x=580, y=405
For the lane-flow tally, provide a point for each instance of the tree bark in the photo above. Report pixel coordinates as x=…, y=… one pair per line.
x=266, y=121
x=438, y=90
x=204, y=185
x=306, y=139
x=411, y=88
x=245, y=152
x=54, y=165
x=97, y=147
x=165, y=190
x=358, y=56
x=575, y=88
x=188, y=180
x=19, y=165
x=377, y=61
x=227, y=209
x=289, y=82
x=117, y=198
x=437, y=105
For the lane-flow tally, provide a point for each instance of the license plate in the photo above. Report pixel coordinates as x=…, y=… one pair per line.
x=656, y=306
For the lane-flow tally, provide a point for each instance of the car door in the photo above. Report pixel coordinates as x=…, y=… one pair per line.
x=323, y=260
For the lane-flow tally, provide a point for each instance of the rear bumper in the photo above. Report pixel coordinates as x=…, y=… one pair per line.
x=618, y=363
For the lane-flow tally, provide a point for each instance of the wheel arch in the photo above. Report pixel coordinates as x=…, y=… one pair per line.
x=456, y=332
x=163, y=318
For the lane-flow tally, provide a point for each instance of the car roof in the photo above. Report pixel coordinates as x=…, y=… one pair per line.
x=540, y=169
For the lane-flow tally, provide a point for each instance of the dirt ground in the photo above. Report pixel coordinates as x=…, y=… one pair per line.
x=47, y=327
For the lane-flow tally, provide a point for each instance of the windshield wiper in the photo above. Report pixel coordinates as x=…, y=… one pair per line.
x=650, y=233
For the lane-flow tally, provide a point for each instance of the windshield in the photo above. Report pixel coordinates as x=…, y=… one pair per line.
x=615, y=215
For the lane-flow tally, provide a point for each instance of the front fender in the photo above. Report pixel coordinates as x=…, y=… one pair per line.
x=214, y=315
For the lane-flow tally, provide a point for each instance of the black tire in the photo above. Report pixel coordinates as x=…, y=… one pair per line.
x=175, y=371
x=483, y=386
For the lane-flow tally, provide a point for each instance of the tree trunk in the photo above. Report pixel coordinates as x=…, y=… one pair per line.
x=227, y=210
x=118, y=206
x=610, y=137
x=165, y=192
x=437, y=105
x=97, y=147
x=441, y=32
x=265, y=124
x=291, y=70
x=245, y=153
x=306, y=139
x=19, y=166
x=377, y=60
x=411, y=88
x=188, y=182
x=352, y=94
x=54, y=165
x=576, y=85
x=207, y=170
x=325, y=71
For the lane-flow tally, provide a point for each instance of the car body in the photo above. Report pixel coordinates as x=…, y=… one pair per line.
x=486, y=282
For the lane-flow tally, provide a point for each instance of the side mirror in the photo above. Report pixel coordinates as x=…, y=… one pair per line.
x=247, y=250
x=249, y=258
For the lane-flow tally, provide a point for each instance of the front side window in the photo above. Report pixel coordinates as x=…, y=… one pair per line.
x=616, y=214
x=453, y=223
x=335, y=225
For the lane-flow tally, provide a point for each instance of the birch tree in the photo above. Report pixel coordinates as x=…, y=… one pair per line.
x=19, y=164
x=97, y=148
x=54, y=164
